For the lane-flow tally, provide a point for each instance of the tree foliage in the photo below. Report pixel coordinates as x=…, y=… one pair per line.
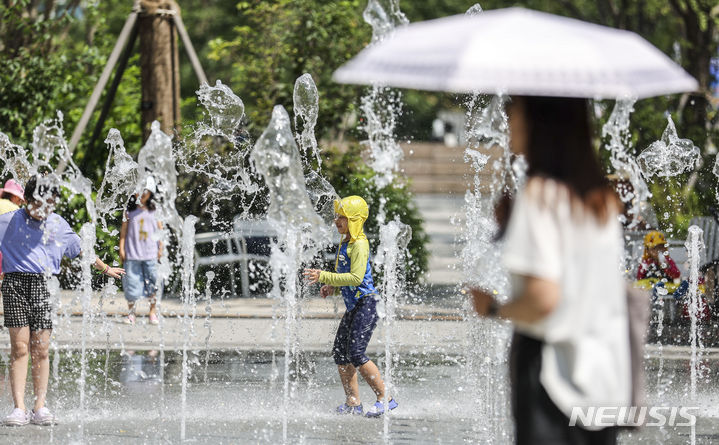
x=277, y=41
x=53, y=51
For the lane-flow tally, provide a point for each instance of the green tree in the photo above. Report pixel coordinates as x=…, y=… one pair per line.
x=279, y=40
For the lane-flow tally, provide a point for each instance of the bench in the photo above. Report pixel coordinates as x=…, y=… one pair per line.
x=249, y=240
x=237, y=244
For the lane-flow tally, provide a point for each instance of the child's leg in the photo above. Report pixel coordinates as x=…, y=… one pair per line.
x=348, y=376
x=363, y=324
x=19, y=343
x=149, y=272
x=132, y=284
x=371, y=374
x=340, y=352
x=39, y=345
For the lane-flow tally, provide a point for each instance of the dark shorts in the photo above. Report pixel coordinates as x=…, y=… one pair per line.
x=538, y=420
x=355, y=331
x=26, y=301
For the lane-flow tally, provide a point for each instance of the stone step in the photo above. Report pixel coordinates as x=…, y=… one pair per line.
x=439, y=184
x=432, y=150
x=438, y=212
x=447, y=239
x=448, y=251
x=439, y=151
x=436, y=168
x=417, y=167
x=444, y=277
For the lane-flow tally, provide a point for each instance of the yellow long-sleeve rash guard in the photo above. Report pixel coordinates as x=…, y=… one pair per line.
x=359, y=255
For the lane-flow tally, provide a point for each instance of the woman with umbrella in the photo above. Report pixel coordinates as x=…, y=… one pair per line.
x=562, y=247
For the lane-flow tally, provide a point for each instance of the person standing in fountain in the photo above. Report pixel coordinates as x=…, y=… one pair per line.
x=562, y=247
x=353, y=275
x=33, y=241
x=11, y=198
x=140, y=250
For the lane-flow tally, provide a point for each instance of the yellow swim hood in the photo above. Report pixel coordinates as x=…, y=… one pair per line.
x=355, y=209
x=654, y=238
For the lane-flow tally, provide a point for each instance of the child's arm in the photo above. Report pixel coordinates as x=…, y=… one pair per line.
x=123, y=235
x=114, y=272
x=359, y=256
x=326, y=290
x=159, y=242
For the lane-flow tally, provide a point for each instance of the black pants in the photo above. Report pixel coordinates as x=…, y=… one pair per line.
x=537, y=419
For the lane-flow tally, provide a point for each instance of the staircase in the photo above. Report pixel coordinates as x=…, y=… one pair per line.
x=443, y=221
x=435, y=168
x=439, y=178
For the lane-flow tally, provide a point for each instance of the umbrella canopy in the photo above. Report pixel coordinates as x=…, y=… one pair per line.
x=518, y=52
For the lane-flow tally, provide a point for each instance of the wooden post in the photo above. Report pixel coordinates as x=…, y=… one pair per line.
x=159, y=65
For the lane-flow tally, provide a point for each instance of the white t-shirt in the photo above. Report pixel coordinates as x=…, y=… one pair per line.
x=585, y=355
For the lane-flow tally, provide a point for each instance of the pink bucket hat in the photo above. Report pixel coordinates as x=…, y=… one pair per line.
x=12, y=187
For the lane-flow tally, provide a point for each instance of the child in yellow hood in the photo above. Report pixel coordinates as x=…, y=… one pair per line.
x=353, y=275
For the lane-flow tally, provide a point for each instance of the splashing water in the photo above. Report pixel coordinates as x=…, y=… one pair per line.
x=277, y=158
x=301, y=232
x=487, y=135
x=87, y=235
x=157, y=159
x=382, y=107
x=217, y=151
x=15, y=159
x=50, y=158
x=189, y=304
x=384, y=16
x=475, y=9
x=394, y=238
x=306, y=108
x=225, y=109
x=496, y=174
x=669, y=156
x=624, y=164
x=322, y=195
x=715, y=170
x=119, y=181
x=695, y=247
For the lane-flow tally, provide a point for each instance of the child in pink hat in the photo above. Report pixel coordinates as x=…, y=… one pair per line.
x=11, y=196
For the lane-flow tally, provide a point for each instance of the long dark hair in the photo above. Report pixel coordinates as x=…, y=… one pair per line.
x=132, y=203
x=559, y=147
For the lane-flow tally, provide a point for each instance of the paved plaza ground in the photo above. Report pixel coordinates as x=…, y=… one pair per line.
x=235, y=379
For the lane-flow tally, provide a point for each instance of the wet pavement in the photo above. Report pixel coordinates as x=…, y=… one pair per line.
x=236, y=397
x=236, y=367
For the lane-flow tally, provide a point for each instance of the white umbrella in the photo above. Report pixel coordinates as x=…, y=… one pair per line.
x=518, y=52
